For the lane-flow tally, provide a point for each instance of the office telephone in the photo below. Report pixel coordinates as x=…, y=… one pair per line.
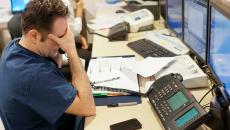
x=175, y=105
x=140, y=20
x=192, y=74
x=119, y=32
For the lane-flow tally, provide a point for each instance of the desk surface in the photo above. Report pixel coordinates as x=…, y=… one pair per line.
x=143, y=112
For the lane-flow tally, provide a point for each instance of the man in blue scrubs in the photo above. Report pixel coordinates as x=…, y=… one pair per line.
x=33, y=92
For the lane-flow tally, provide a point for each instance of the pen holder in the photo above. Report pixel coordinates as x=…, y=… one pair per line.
x=112, y=1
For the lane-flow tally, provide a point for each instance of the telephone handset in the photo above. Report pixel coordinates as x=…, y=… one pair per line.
x=64, y=57
x=119, y=32
x=61, y=51
x=175, y=105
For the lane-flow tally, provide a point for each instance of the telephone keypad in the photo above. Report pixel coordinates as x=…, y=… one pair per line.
x=163, y=108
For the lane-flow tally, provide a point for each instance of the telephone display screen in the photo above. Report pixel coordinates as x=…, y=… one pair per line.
x=177, y=100
x=186, y=117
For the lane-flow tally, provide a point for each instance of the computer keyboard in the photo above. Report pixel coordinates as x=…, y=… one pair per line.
x=145, y=48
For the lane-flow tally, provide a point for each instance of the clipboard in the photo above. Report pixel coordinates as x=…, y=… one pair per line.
x=106, y=100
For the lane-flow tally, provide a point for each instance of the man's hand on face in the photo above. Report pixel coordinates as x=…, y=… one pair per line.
x=65, y=42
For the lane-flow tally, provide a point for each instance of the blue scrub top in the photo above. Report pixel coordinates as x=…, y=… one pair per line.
x=33, y=92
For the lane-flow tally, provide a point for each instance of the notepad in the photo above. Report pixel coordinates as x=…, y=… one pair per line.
x=111, y=72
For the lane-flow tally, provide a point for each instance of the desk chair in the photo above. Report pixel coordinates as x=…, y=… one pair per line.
x=14, y=26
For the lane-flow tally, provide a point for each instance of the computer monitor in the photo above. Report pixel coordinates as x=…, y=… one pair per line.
x=195, y=26
x=219, y=46
x=162, y=6
x=18, y=6
x=174, y=16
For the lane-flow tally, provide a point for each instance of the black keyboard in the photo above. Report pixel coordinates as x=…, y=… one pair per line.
x=147, y=48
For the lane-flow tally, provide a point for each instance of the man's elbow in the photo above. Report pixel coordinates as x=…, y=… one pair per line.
x=92, y=112
x=89, y=112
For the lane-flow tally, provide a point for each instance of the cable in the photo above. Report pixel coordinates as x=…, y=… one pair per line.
x=95, y=33
x=210, y=75
x=99, y=34
x=206, y=94
x=206, y=105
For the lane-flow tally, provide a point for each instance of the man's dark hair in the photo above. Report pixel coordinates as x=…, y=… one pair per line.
x=40, y=15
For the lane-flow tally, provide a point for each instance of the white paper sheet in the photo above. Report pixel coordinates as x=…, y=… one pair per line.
x=150, y=65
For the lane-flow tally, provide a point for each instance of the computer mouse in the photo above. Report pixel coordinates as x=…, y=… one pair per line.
x=120, y=11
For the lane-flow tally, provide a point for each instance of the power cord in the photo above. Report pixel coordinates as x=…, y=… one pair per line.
x=207, y=93
x=95, y=33
x=206, y=105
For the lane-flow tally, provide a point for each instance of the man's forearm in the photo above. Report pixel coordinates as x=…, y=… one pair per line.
x=76, y=67
x=80, y=80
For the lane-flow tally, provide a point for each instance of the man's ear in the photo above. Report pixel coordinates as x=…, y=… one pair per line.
x=34, y=36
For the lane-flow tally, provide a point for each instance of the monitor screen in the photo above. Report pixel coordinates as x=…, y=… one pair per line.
x=18, y=5
x=174, y=16
x=195, y=26
x=219, y=55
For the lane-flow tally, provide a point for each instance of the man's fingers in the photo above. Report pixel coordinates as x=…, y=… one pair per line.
x=53, y=37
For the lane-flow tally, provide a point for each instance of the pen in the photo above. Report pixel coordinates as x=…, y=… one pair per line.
x=122, y=104
x=169, y=35
x=107, y=80
x=112, y=94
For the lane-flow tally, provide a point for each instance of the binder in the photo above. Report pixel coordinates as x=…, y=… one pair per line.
x=106, y=100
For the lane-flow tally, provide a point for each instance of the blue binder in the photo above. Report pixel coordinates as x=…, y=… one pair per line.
x=103, y=101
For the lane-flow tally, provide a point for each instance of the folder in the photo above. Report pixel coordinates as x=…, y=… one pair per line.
x=111, y=72
x=103, y=101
